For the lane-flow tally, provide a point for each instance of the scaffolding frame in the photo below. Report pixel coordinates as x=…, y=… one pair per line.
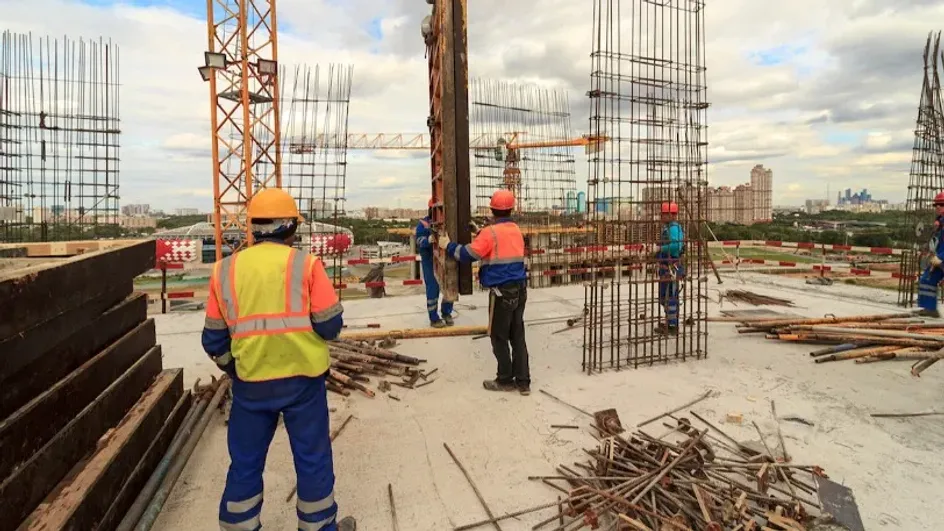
x=59, y=138
x=524, y=142
x=315, y=105
x=648, y=95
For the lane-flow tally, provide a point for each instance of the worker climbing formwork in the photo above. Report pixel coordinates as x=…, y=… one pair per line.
x=425, y=247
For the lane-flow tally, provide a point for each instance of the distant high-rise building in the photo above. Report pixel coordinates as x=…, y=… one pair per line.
x=186, y=211
x=720, y=205
x=744, y=209
x=136, y=210
x=762, y=185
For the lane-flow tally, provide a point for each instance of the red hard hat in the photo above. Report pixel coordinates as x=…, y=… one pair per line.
x=502, y=200
x=430, y=204
x=670, y=208
x=939, y=199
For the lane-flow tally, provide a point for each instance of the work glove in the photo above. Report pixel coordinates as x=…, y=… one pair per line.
x=443, y=241
x=474, y=227
x=936, y=261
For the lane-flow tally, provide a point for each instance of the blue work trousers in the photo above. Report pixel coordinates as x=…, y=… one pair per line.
x=303, y=403
x=927, y=287
x=432, y=290
x=671, y=272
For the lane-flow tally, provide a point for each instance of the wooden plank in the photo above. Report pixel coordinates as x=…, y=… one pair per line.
x=31, y=426
x=26, y=347
x=146, y=465
x=13, y=252
x=81, y=500
x=36, y=294
x=67, y=248
x=39, y=372
x=29, y=484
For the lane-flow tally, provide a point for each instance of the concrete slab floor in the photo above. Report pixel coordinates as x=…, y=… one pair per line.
x=894, y=466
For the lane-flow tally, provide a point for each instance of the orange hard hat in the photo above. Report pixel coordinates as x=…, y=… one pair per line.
x=502, y=200
x=430, y=204
x=273, y=203
x=670, y=208
x=939, y=199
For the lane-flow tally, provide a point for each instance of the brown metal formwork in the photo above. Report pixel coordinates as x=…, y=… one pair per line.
x=648, y=96
x=927, y=173
x=448, y=122
x=242, y=70
x=59, y=139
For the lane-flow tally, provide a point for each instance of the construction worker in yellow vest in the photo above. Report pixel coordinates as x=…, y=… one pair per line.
x=270, y=310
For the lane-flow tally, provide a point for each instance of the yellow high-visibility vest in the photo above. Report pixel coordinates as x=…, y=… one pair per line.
x=266, y=302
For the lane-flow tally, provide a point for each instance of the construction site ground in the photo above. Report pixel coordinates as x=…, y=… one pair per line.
x=894, y=466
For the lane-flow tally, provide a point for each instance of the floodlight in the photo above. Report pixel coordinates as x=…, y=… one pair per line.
x=214, y=59
x=267, y=67
x=427, y=26
x=205, y=72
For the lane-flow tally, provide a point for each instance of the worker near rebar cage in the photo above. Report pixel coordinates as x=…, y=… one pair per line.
x=270, y=310
x=425, y=246
x=499, y=247
x=670, y=269
x=934, y=272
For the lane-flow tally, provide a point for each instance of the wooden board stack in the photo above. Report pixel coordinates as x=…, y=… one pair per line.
x=87, y=410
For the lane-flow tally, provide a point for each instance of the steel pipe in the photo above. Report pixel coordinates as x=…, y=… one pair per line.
x=167, y=484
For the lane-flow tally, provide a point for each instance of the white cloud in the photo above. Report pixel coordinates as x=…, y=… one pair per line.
x=849, y=64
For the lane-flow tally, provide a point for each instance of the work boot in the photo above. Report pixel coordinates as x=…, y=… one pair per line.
x=667, y=330
x=438, y=324
x=448, y=320
x=348, y=523
x=929, y=313
x=495, y=385
x=524, y=389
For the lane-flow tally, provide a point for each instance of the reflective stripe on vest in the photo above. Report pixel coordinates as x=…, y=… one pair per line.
x=507, y=246
x=295, y=318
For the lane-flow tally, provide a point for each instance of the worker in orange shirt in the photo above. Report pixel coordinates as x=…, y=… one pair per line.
x=500, y=249
x=270, y=310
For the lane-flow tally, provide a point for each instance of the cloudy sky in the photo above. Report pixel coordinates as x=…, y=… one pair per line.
x=823, y=92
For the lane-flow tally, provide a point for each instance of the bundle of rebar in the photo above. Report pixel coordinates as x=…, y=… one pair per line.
x=756, y=299
x=686, y=479
x=864, y=338
x=353, y=363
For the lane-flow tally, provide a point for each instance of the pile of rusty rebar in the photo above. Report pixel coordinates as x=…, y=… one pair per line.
x=689, y=478
x=756, y=299
x=864, y=338
x=353, y=363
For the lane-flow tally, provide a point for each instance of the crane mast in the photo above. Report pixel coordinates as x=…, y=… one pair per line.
x=241, y=68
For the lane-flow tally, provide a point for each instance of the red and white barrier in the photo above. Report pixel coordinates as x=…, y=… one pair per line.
x=177, y=250
x=818, y=268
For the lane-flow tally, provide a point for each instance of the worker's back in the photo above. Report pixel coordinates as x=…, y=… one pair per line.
x=269, y=311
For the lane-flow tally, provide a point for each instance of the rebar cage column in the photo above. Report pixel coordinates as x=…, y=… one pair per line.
x=927, y=172
x=59, y=138
x=648, y=95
